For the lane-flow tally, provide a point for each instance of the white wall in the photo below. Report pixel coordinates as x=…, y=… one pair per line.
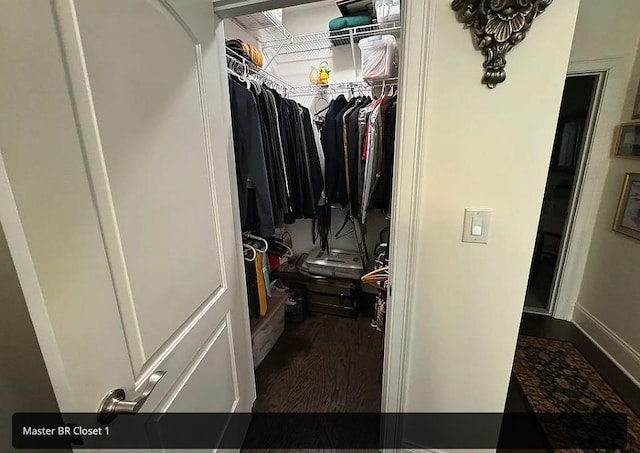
x=315, y=18
x=233, y=31
x=482, y=148
x=607, y=307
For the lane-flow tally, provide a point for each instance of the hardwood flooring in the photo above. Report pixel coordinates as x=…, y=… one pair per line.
x=325, y=364
x=333, y=364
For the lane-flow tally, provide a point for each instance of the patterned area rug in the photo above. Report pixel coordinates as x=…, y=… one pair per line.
x=556, y=378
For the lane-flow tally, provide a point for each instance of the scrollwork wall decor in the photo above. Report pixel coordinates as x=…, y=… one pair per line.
x=497, y=26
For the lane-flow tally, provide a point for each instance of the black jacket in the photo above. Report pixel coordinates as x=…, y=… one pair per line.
x=256, y=212
x=332, y=151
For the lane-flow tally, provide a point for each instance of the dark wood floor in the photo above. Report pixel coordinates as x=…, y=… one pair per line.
x=333, y=364
x=325, y=364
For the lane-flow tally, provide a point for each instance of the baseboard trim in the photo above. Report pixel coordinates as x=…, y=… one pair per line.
x=615, y=348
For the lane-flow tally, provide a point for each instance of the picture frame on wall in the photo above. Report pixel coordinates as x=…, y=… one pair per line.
x=627, y=141
x=627, y=219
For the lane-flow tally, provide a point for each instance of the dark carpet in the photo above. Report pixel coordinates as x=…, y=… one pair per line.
x=556, y=378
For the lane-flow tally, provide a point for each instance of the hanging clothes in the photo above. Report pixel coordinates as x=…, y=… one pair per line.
x=254, y=194
x=378, y=151
x=358, y=139
x=381, y=196
x=369, y=157
x=354, y=156
x=341, y=194
x=315, y=161
x=278, y=163
x=271, y=155
x=332, y=146
x=253, y=295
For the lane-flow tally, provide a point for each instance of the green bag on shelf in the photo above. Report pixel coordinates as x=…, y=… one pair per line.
x=349, y=21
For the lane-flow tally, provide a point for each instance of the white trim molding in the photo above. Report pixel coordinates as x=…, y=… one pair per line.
x=611, y=344
x=417, y=20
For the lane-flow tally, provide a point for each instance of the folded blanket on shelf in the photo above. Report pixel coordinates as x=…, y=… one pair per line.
x=349, y=21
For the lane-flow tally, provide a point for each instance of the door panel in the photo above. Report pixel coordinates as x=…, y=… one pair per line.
x=151, y=116
x=209, y=365
x=128, y=242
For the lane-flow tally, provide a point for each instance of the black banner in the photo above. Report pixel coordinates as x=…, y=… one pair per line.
x=320, y=430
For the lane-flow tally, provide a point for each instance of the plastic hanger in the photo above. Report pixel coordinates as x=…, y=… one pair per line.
x=247, y=249
x=259, y=239
x=278, y=247
x=376, y=277
x=321, y=98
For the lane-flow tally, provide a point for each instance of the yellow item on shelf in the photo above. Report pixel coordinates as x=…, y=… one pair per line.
x=253, y=53
x=314, y=76
x=324, y=73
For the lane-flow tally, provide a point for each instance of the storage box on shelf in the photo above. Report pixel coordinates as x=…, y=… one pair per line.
x=378, y=55
x=266, y=330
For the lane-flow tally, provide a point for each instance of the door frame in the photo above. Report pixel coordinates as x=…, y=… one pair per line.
x=585, y=198
x=558, y=282
x=418, y=17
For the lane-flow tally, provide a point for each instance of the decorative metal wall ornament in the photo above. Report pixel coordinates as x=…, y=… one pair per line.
x=498, y=25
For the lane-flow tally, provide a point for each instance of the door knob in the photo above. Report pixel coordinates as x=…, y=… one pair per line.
x=114, y=402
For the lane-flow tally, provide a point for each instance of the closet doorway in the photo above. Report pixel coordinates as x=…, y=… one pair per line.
x=313, y=93
x=190, y=140
x=576, y=122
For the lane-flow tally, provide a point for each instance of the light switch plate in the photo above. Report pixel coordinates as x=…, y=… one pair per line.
x=474, y=220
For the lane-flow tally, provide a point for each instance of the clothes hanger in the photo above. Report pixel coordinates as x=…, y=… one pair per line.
x=344, y=224
x=245, y=77
x=376, y=276
x=278, y=247
x=259, y=239
x=321, y=98
x=247, y=249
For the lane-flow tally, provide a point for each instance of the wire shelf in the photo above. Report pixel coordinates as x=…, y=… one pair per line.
x=332, y=89
x=241, y=67
x=325, y=40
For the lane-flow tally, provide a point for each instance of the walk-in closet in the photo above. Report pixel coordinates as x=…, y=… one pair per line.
x=313, y=93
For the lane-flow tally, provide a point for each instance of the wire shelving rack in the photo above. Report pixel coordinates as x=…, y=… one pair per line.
x=325, y=40
x=334, y=89
x=240, y=66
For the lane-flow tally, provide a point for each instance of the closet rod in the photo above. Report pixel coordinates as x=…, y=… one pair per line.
x=343, y=87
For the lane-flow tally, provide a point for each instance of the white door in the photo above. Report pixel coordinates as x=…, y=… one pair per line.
x=118, y=199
